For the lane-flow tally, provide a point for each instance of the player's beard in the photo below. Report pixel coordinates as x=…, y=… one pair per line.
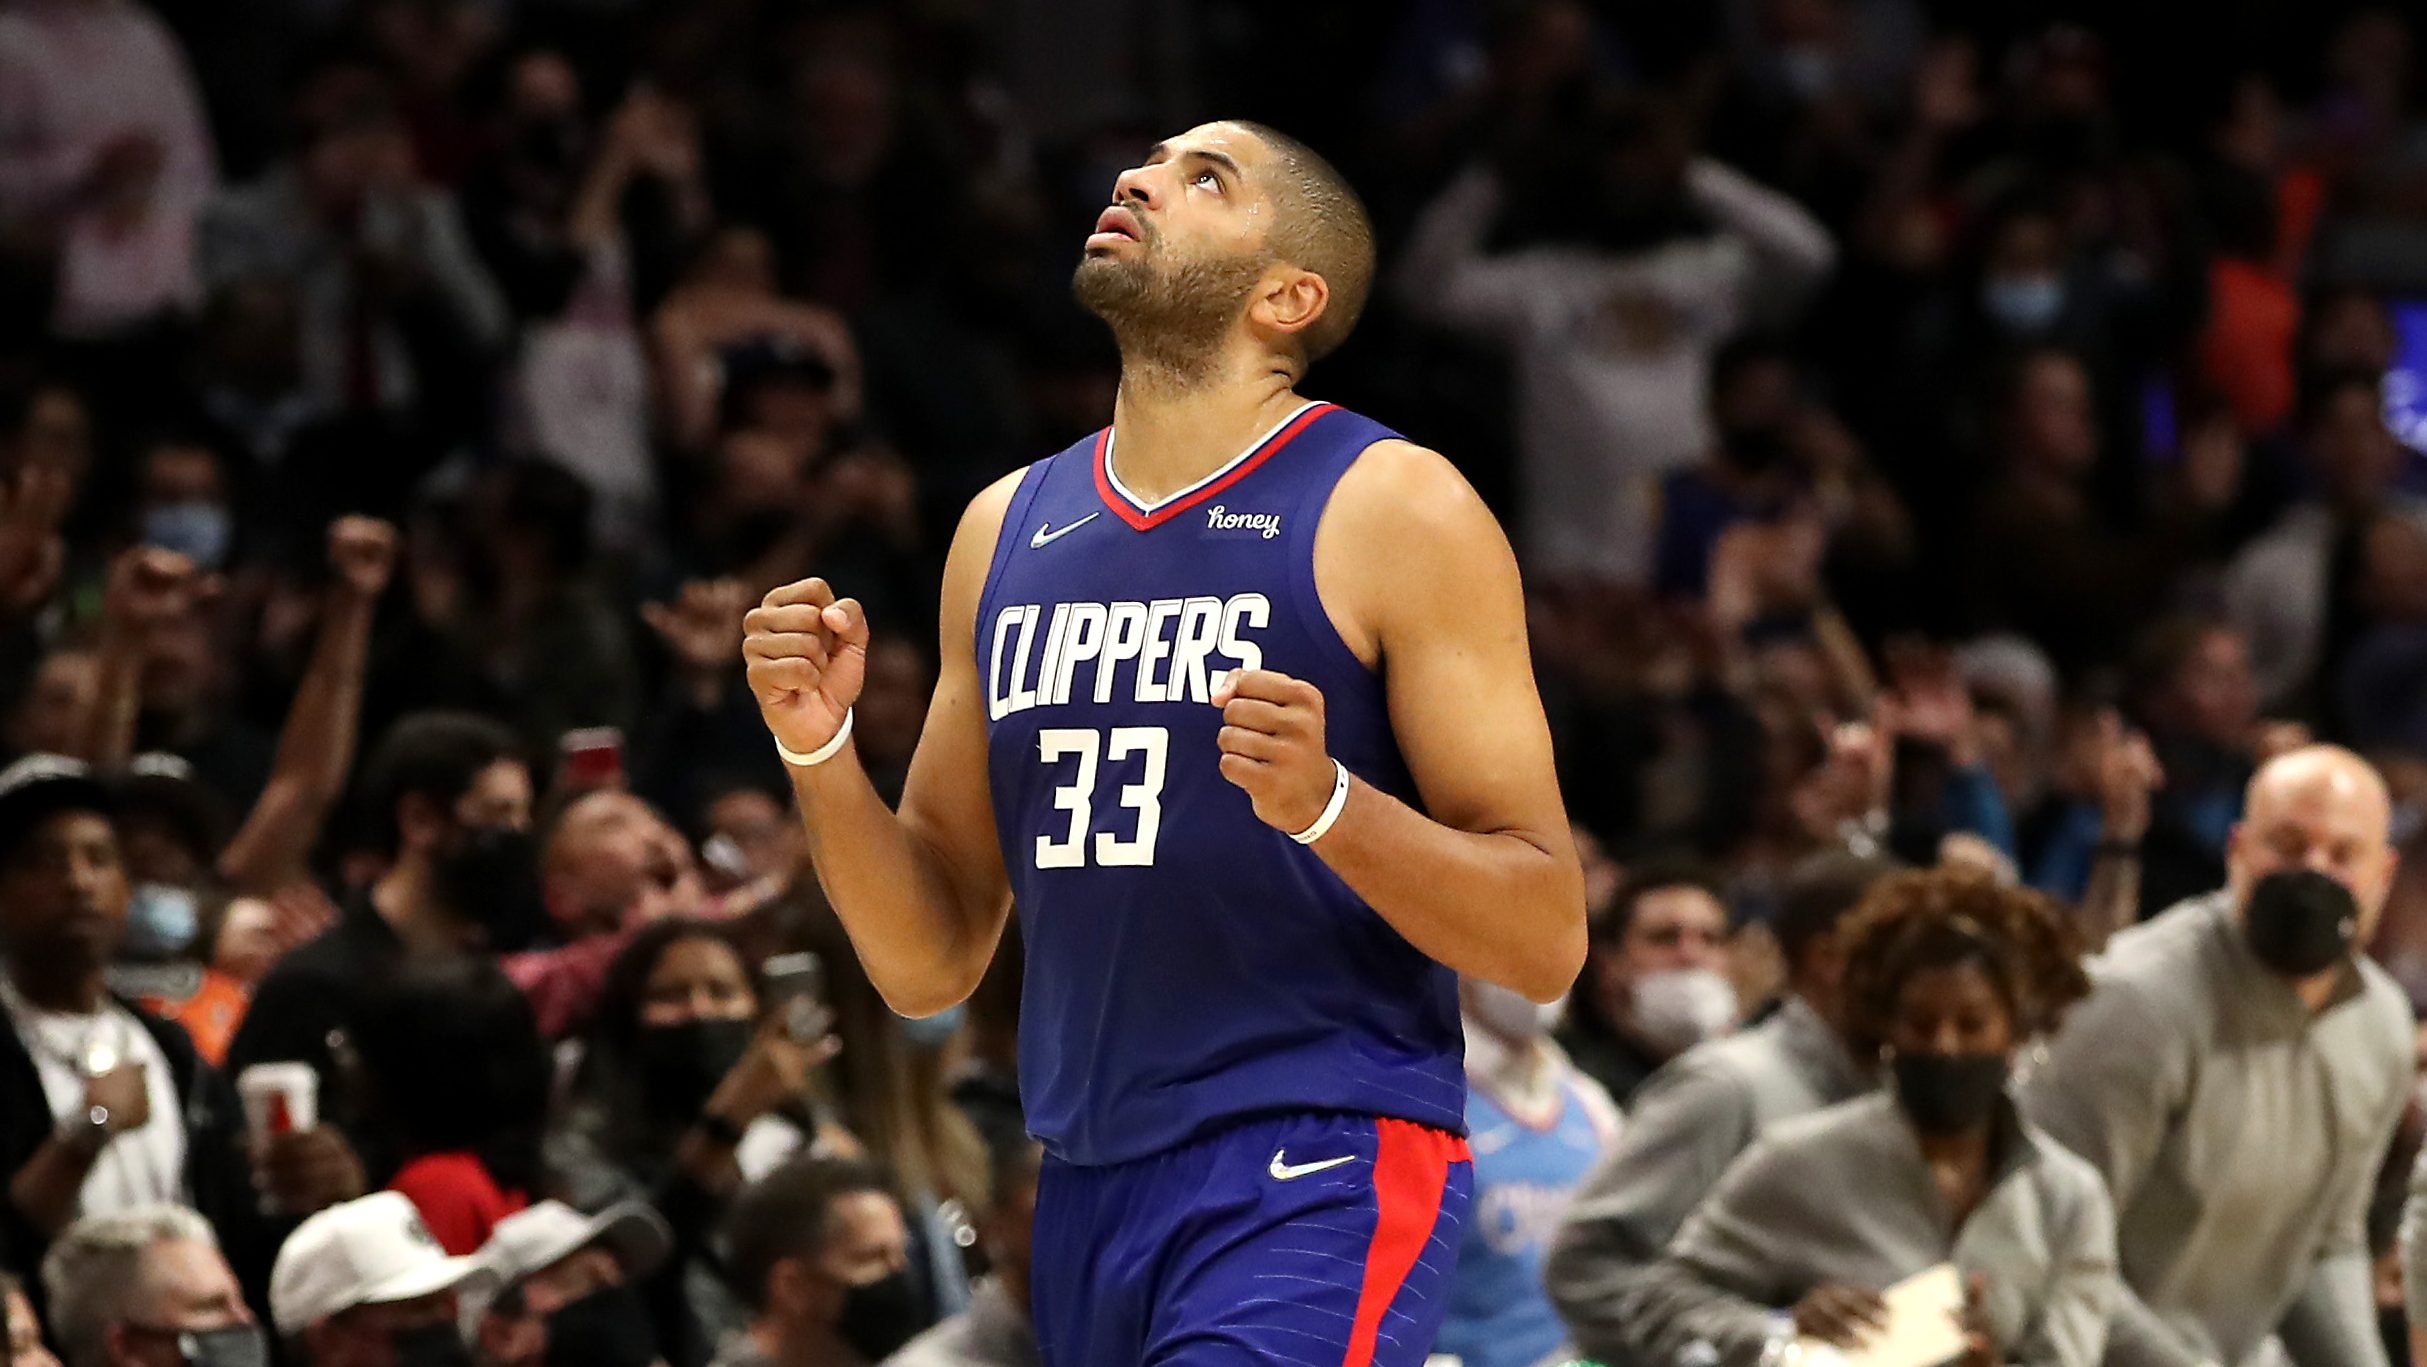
x=1168, y=316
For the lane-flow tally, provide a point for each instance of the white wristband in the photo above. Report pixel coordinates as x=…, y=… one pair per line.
x=822, y=753
x=1331, y=809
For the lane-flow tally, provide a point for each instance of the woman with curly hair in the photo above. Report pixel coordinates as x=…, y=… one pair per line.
x=1949, y=975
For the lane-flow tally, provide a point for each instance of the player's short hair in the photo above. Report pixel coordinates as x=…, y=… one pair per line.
x=1322, y=227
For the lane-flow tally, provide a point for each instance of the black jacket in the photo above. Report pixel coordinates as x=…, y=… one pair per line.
x=218, y=1176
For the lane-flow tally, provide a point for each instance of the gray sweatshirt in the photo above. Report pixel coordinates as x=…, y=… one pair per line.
x=1845, y=1197
x=2240, y=1137
x=1686, y=1126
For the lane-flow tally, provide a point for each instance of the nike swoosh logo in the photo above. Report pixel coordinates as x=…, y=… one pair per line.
x=1045, y=538
x=1283, y=1170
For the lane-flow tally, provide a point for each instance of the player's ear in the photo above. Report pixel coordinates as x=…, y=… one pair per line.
x=1289, y=301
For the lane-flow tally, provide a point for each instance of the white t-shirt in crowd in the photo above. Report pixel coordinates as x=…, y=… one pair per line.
x=137, y=1167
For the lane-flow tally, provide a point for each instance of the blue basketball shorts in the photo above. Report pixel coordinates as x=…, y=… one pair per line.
x=1298, y=1240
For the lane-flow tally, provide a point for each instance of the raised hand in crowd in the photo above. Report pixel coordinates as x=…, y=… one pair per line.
x=702, y=630
x=316, y=748
x=32, y=553
x=148, y=590
x=307, y=1170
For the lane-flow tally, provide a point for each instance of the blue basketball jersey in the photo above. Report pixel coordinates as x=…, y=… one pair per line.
x=1499, y=1314
x=1189, y=966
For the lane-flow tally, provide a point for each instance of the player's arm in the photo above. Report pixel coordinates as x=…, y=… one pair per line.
x=923, y=892
x=1485, y=878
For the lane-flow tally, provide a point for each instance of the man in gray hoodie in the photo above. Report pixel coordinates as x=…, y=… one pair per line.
x=2236, y=1077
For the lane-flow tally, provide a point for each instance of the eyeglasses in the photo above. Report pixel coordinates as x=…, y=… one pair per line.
x=228, y=1345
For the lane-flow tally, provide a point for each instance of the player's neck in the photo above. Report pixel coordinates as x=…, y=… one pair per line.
x=1166, y=438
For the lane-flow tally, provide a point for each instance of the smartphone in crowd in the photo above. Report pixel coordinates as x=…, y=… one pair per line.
x=796, y=987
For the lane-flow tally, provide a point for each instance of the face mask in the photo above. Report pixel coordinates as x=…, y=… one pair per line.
x=161, y=921
x=933, y=1032
x=1948, y=1093
x=881, y=1316
x=1678, y=1008
x=2024, y=303
x=1510, y=1015
x=2300, y=922
x=430, y=1345
x=489, y=876
x=199, y=531
x=237, y=1345
x=1755, y=449
x=607, y=1328
x=681, y=1064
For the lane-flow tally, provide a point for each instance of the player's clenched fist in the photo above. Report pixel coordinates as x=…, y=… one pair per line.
x=806, y=652
x=1272, y=746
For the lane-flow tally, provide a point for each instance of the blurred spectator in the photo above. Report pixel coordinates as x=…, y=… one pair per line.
x=2237, y=1022
x=1712, y=1103
x=1537, y=1126
x=1611, y=262
x=1948, y=976
x=2040, y=556
x=994, y=1331
x=103, y=144
x=449, y=800
x=111, y=1109
x=24, y=1329
x=2279, y=588
x=1652, y=988
x=363, y=1284
x=726, y=310
x=2190, y=686
x=820, y=1253
x=687, y=1089
x=564, y=1288
x=537, y=620
x=892, y=1090
x=580, y=224
x=395, y=310
x=456, y=1077
x=147, y=1285
x=608, y=866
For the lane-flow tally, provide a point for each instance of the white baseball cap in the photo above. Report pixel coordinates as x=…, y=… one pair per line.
x=535, y=1239
x=372, y=1251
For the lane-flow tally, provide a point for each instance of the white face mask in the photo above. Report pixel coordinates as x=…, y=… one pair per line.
x=1510, y=1015
x=1678, y=1008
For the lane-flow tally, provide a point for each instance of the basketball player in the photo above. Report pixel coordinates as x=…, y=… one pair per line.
x=1235, y=703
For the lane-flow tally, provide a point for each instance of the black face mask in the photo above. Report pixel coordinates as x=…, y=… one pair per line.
x=607, y=1328
x=882, y=1316
x=2300, y=922
x=681, y=1064
x=430, y=1345
x=1948, y=1093
x=1755, y=449
x=489, y=876
x=237, y=1345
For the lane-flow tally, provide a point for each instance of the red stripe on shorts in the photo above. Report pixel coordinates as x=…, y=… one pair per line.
x=1411, y=1168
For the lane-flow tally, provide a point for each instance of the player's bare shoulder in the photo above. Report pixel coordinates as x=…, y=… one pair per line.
x=1401, y=515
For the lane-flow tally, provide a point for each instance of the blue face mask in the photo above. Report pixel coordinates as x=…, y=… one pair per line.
x=932, y=1032
x=2024, y=303
x=198, y=530
x=162, y=920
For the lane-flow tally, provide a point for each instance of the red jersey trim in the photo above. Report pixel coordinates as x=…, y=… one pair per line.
x=1147, y=519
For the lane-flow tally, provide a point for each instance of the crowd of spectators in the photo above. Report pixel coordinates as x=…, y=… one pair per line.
x=1977, y=438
